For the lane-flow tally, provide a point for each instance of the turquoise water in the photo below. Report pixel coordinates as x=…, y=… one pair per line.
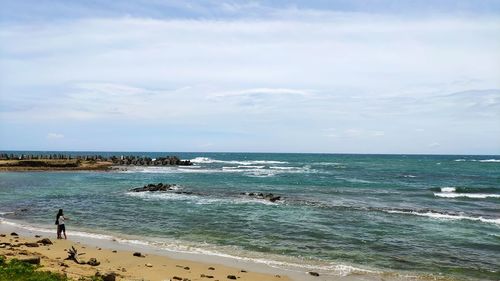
x=413, y=214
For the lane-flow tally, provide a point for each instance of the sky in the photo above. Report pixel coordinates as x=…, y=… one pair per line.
x=337, y=76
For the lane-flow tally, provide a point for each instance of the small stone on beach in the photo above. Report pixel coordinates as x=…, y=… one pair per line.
x=149, y=265
x=313, y=273
x=211, y=268
x=14, y=234
x=232, y=277
x=138, y=254
x=93, y=262
x=45, y=241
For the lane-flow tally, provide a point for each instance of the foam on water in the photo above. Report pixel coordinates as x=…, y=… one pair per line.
x=436, y=215
x=206, y=160
x=490, y=161
x=466, y=195
x=354, y=180
x=475, y=160
x=247, y=170
x=199, y=200
x=448, y=189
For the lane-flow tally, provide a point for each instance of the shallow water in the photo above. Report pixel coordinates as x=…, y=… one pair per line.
x=409, y=214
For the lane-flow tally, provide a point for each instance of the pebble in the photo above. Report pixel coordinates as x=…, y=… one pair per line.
x=149, y=265
x=313, y=273
x=232, y=277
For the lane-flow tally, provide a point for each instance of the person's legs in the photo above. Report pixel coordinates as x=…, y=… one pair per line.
x=58, y=232
x=64, y=231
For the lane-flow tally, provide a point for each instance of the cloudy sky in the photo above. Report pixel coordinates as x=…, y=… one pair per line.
x=337, y=76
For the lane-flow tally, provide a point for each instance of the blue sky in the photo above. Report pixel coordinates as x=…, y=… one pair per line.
x=272, y=76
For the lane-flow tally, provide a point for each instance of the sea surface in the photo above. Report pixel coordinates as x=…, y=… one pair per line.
x=415, y=215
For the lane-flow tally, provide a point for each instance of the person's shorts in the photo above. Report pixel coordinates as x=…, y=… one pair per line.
x=62, y=227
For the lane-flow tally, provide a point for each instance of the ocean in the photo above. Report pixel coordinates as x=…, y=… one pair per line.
x=436, y=216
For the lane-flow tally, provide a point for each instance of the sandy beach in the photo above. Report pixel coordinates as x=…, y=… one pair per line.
x=123, y=263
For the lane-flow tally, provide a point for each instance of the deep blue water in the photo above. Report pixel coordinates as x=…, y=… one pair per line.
x=405, y=213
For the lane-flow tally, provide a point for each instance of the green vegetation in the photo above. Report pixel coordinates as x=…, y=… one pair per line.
x=15, y=270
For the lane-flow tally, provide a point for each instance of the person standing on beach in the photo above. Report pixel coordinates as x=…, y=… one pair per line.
x=61, y=228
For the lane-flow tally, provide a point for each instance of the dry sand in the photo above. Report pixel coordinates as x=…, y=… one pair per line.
x=123, y=263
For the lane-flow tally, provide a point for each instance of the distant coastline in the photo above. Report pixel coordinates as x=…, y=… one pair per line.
x=68, y=162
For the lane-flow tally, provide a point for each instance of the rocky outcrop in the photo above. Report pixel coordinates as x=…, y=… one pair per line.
x=30, y=160
x=155, y=187
x=259, y=195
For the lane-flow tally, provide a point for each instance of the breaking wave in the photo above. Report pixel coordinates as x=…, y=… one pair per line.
x=206, y=160
x=444, y=216
x=457, y=192
x=480, y=160
x=467, y=195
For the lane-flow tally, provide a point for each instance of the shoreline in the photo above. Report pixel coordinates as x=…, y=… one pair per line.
x=230, y=263
x=118, y=258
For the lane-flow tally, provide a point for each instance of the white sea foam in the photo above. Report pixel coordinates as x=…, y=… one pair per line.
x=435, y=215
x=409, y=176
x=327, y=163
x=482, y=160
x=354, y=180
x=282, y=168
x=46, y=230
x=448, y=189
x=490, y=160
x=468, y=195
x=197, y=199
x=206, y=160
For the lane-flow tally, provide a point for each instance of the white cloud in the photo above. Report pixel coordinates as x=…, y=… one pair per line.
x=276, y=80
x=54, y=136
x=434, y=145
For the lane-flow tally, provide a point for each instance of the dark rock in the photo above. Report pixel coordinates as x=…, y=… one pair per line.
x=154, y=187
x=243, y=270
x=31, y=260
x=2, y=235
x=110, y=276
x=186, y=268
x=206, y=276
x=31, y=245
x=176, y=278
x=14, y=234
x=137, y=254
x=313, y=273
x=37, y=236
x=211, y=268
x=93, y=262
x=269, y=196
x=231, y=277
x=45, y=241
